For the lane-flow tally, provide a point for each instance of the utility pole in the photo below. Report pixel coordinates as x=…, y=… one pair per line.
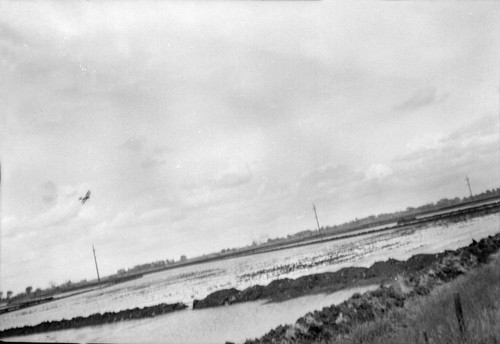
x=468, y=183
x=315, y=214
x=96, y=268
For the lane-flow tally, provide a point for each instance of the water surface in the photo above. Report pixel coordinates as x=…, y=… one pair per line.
x=197, y=281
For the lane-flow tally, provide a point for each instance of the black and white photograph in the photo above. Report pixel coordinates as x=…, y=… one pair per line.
x=244, y=171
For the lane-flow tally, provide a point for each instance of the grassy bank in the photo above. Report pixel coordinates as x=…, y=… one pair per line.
x=434, y=316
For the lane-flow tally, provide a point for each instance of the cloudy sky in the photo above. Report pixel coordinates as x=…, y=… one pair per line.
x=205, y=125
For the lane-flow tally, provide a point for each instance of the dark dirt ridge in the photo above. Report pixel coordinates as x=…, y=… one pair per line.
x=334, y=321
x=286, y=288
x=94, y=319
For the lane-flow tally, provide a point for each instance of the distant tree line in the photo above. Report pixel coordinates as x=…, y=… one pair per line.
x=157, y=265
x=26, y=294
x=411, y=211
x=374, y=220
x=29, y=293
x=146, y=267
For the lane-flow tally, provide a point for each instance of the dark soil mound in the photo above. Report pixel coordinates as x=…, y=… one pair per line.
x=286, y=288
x=218, y=298
x=94, y=319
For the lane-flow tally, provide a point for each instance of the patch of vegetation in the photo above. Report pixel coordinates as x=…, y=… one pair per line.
x=433, y=318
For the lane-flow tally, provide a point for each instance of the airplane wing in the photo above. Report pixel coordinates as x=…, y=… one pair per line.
x=85, y=198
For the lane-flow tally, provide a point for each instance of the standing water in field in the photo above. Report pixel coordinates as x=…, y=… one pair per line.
x=233, y=323
x=185, y=284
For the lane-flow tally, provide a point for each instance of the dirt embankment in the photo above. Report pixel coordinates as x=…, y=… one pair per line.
x=286, y=288
x=94, y=319
x=337, y=320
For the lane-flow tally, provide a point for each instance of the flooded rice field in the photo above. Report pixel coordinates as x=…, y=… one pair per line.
x=237, y=322
x=234, y=323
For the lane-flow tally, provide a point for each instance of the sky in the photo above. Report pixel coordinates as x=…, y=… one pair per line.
x=204, y=125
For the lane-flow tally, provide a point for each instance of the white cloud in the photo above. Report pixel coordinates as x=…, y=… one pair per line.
x=378, y=171
x=49, y=192
x=231, y=179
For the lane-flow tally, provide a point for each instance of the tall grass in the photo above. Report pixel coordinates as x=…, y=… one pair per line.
x=434, y=316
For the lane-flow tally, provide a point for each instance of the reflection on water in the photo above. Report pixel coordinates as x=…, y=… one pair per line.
x=233, y=323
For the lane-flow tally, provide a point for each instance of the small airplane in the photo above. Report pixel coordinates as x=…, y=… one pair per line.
x=85, y=198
